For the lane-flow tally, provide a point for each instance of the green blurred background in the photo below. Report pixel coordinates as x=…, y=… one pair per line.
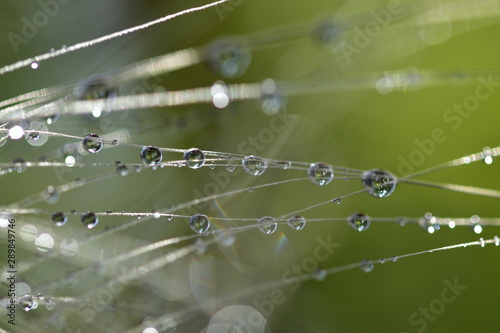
x=354, y=127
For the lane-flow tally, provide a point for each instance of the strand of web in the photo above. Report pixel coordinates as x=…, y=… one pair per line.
x=78, y=46
x=318, y=275
x=397, y=80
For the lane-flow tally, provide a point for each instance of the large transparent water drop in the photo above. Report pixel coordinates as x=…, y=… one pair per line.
x=89, y=219
x=267, y=225
x=151, y=155
x=320, y=173
x=59, y=219
x=359, y=221
x=379, y=183
x=92, y=143
x=199, y=223
x=297, y=222
x=194, y=158
x=27, y=303
x=254, y=165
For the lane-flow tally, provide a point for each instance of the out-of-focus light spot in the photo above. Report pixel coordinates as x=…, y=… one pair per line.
x=44, y=243
x=16, y=132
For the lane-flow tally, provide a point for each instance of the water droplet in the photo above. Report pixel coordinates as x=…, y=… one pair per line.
x=285, y=165
x=225, y=238
x=297, y=222
x=95, y=87
x=194, y=158
x=27, y=303
x=320, y=173
x=16, y=132
x=34, y=65
x=474, y=224
x=20, y=164
x=71, y=155
x=169, y=217
x=337, y=201
x=230, y=168
x=429, y=223
x=51, y=195
x=497, y=240
x=366, y=266
x=402, y=220
x=328, y=33
x=122, y=170
x=59, y=219
x=359, y=221
x=394, y=258
x=34, y=137
x=229, y=57
x=199, y=223
x=201, y=246
x=92, y=143
x=267, y=225
x=220, y=97
x=49, y=304
x=151, y=155
x=319, y=274
x=487, y=155
x=52, y=119
x=89, y=219
x=379, y=183
x=156, y=214
x=254, y=165
x=481, y=240
x=272, y=99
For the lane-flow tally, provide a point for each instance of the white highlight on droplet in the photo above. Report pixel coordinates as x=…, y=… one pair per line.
x=16, y=132
x=70, y=161
x=150, y=330
x=96, y=112
x=4, y=222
